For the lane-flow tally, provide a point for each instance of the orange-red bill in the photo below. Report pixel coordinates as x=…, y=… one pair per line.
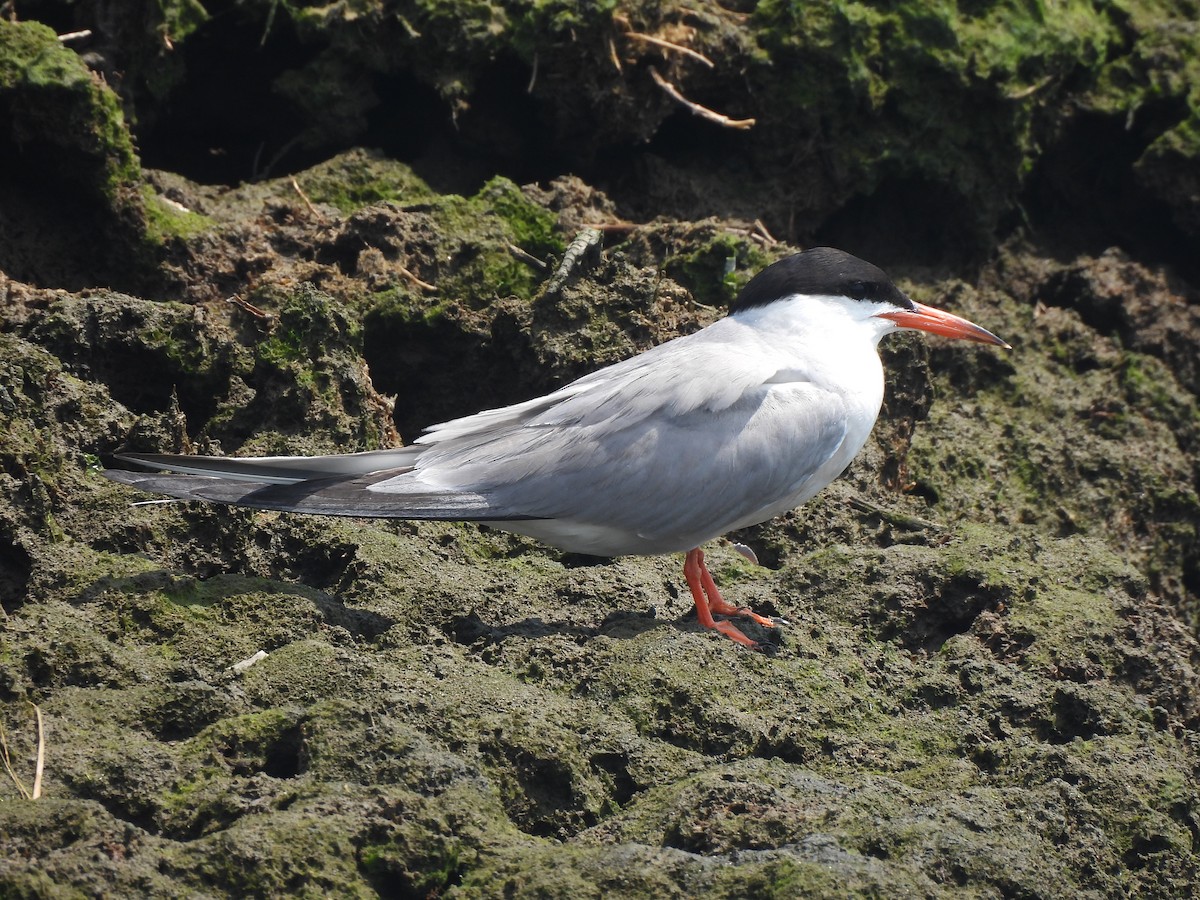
x=938, y=321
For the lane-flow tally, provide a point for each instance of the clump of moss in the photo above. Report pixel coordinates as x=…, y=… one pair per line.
x=54, y=105
x=165, y=221
x=361, y=178
x=72, y=173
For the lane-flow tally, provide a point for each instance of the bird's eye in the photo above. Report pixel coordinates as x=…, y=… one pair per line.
x=858, y=290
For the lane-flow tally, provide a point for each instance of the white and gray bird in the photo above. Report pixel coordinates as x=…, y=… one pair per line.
x=705, y=434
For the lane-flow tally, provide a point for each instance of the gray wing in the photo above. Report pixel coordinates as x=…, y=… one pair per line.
x=330, y=496
x=690, y=436
x=277, y=469
x=660, y=477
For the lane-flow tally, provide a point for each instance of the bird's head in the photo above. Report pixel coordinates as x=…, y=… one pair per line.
x=862, y=288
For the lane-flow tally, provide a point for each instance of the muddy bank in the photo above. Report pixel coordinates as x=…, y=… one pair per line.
x=989, y=685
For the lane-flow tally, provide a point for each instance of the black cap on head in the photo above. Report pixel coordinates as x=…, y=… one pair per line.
x=821, y=270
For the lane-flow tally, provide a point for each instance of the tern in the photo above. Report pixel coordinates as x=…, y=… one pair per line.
x=705, y=434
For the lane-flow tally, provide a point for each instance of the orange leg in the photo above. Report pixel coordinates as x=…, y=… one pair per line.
x=708, y=600
x=718, y=604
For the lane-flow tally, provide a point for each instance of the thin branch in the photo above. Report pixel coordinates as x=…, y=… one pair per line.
x=247, y=306
x=423, y=285
x=8, y=767
x=892, y=517
x=532, y=75
x=243, y=665
x=74, y=36
x=612, y=54
x=174, y=204
x=703, y=111
x=762, y=229
x=1030, y=90
x=669, y=45
x=41, y=754
x=21, y=789
x=526, y=257
x=316, y=213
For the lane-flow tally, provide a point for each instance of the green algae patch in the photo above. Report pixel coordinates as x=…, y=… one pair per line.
x=532, y=225
x=72, y=170
x=166, y=220
x=991, y=86
x=486, y=224
x=55, y=104
x=359, y=178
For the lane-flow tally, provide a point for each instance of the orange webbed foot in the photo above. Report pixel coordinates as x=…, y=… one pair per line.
x=708, y=600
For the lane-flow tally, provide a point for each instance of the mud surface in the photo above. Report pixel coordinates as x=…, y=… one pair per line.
x=263, y=228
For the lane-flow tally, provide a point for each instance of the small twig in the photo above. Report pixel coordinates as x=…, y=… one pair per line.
x=612, y=54
x=274, y=160
x=407, y=26
x=762, y=229
x=243, y=665
x=74, y=36
x=174, y=204
x=316, y=213
x=532, y=75
x=703, y=111
x=668, y=45
x=1030, y=90
x=423, y=285
x=40, y=765
x=249, y=307
x=528, y=258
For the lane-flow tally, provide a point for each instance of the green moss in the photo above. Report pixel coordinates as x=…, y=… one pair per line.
x=718, y=268
x=1151, y=387
x=426, y=872
x=483, y=267
x=237, y=745
x=984, y=74
x=360, y=178
x=309, y=325
x=182, y=17
x=55, y=102
x=532, y=226
x=164, y=220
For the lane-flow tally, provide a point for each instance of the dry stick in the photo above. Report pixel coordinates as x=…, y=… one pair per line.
x=612, y=54
x=526, y=257
x=249, y=307
x=892, y=517
x=24, y=792
x=1030, y=90
x=532, y=76
x=669, y=45
x=41, y=754
x=423, y=285
x=174, y=204
x=303, y=196
x=703, y=111
x=762, y=229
